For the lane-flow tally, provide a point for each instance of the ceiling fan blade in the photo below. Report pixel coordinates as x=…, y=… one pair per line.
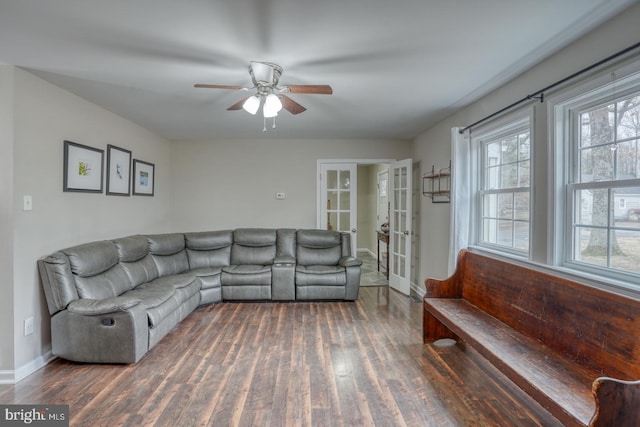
x=219, y=86
x=238, y=105
x=291, y=106
x=312, y=89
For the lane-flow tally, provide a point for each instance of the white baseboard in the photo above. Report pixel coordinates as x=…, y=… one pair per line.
x=13, y=377
x=7, y=377
x=420, y=290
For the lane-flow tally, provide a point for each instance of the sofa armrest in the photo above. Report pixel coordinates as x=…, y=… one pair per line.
x=349, y=261
x=97, y=307
x=284, y=260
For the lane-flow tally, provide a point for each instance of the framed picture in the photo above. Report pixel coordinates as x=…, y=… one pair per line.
x=82, y=168
x=143, y=178
x=118, y=171
x=383, y=187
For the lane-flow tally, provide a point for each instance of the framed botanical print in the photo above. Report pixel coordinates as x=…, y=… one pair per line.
x=82, y=168
x=118, y=171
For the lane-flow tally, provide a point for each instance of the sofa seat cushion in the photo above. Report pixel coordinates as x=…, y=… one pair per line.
x=158, y=300
x=176, y=281
x=209, y=277
x=247, y=274
x=324, y=275
x=164, y=295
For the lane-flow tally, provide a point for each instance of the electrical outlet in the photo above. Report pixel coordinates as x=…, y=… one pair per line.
x=28, y=326
x=280, y=196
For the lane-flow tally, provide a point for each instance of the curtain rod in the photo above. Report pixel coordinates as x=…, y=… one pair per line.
x=539, y=94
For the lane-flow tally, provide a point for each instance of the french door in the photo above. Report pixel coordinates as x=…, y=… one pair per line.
x=400, y=233
x=338, y=199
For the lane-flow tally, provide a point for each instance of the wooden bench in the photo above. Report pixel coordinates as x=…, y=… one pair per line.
x=556, y=339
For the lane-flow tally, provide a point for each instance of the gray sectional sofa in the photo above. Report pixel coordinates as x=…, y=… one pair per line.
x=111, y=301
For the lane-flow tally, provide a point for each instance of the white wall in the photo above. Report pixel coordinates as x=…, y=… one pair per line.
x=433, y=146
x=43, y=117
x=232, y=183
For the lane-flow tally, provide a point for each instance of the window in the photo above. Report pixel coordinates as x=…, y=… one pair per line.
x=504, y=194
x=602, y=172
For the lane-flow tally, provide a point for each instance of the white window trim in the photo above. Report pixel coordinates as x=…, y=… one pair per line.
x=504, y=125
x=560, y=106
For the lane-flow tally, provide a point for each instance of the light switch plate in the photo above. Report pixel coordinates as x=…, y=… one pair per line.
x=28, y=203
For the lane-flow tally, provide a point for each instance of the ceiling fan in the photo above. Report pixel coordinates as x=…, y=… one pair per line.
x=268, y=93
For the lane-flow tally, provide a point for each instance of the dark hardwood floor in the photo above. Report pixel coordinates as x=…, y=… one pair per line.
x=290, y=364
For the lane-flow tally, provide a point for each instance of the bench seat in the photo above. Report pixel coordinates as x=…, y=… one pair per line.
x=552, y=379
x=573, y=348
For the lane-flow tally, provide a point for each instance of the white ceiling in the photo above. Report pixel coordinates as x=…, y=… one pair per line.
x=396, y=67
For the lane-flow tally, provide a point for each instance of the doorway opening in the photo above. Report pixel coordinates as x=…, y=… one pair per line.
x=370, y=195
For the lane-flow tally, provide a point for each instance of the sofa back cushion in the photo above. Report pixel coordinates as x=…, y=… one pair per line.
x=318, y=247
x=136, y=259
x=209, y=249
x=96, y=270
x=168, y=252
x=253, y=246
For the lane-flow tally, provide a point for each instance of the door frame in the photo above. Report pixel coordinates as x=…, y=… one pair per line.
x=319, y=164
x=401, y=283
x=357, y=162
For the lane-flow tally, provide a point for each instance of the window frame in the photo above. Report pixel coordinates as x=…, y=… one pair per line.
x=513, y=123
x=563, y=117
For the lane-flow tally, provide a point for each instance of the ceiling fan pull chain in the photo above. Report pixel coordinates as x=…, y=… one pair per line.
x=264, y=125
x=274, y=123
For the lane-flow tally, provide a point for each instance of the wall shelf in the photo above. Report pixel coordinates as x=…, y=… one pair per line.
x=437, y=184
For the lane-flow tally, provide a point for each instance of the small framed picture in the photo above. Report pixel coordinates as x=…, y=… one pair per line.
x=383, y=187
x=82, y=168
x=143, y=178
x=118, y=171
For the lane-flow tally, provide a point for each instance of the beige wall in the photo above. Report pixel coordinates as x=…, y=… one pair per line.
x=232, y=183
x=6, y=218
x=433, y=146
x=43, y=117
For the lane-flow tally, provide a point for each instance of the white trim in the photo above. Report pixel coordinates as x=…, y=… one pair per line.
x=14, y=377
x=523, y=118
x=419, y=290
x=7, y=377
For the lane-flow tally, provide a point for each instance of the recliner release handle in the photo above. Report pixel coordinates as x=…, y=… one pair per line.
x=108, y=321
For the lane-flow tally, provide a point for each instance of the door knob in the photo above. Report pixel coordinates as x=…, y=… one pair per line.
x=353, y=230
x=406, y=232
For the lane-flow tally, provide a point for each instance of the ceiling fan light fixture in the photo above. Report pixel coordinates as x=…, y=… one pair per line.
x=272, y=105
x=252, y=104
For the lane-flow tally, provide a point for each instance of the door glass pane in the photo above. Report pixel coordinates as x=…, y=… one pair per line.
x=332, y=200
x=345, y=224
x=403, y=181
x=332, y=179
x=401, y=271
x=345, y=180
x=345, y=200
x=332, y=221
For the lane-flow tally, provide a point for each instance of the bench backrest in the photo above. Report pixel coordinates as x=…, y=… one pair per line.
x=594, y=327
